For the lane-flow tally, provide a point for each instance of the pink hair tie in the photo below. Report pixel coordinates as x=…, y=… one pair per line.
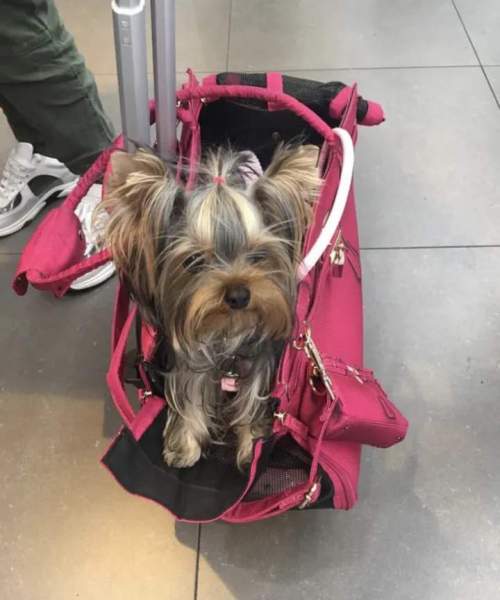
x=219, y=180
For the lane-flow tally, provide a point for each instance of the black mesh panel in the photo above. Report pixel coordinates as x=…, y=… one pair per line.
x=247, y=124
x=287, y=467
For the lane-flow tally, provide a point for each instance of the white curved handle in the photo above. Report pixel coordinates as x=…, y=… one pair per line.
x=326, y=234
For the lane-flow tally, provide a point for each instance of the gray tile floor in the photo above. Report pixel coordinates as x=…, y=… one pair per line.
x=427, y=525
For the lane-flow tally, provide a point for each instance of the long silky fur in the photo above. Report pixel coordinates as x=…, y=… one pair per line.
x=179, y=255
x=194, y=394
x=287, y=190
x=143, y=201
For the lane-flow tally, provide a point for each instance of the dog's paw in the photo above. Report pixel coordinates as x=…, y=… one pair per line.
x=245, y=447
x=181, y=459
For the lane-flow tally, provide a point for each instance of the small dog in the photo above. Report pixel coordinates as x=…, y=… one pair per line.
x=214, y=271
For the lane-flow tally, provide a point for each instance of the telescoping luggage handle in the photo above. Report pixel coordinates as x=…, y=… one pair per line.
x=129, y=24
x=130, y=41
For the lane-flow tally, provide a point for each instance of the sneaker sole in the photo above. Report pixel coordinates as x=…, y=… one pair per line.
x=94, y=278
x=61, y=190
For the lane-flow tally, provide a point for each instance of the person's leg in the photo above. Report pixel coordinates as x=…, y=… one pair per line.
x=48, y=95
x=51, y=102
x=20, y=128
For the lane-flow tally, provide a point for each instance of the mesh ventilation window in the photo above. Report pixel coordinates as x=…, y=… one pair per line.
x=286, y=468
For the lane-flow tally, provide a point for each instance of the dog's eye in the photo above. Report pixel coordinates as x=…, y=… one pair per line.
x=257, y=257
x=194, y=262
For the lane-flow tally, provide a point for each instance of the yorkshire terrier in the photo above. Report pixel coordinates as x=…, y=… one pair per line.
x=214, y=271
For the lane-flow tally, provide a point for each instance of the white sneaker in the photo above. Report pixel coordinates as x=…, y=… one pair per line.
x=92, y=228
x=27, y=183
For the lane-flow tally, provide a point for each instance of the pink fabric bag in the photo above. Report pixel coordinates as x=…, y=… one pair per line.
x=326, y=403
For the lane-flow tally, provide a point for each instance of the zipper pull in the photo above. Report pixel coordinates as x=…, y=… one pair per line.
x=355, y=373
x=337, y=255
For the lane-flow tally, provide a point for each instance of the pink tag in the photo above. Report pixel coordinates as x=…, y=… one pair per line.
x=229, y=384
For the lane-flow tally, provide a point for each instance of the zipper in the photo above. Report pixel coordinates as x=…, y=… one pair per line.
x=384, y=402
x=355, y=373
x=381, y=397
x=355, y=264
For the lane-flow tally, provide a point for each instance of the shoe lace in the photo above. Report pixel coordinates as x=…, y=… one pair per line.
x=93, y=223
x=14, y=176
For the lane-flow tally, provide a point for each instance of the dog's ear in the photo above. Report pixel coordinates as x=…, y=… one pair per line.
x=287, y=190
x=142, y=180
x=144, y=203
x=122, y=164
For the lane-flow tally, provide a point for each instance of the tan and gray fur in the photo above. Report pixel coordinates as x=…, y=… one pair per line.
x=213, y=270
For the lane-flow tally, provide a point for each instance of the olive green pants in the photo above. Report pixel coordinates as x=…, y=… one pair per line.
x=48, y=95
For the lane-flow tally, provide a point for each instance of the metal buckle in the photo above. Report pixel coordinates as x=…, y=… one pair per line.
x=300, y=342
x=144, y=394
x=308, y=498
x=280, y=415
x=316, y=361
x=314, y=378
x=317, y=369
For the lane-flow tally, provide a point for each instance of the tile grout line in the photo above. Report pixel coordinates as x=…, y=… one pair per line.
x=358, y=68
x=229, y=25
x=197, y=565
x=497, y=100
x=445, y=247
x=320, y=69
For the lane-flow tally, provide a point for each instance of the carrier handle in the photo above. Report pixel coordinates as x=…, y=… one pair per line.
x=326, y=234
x=285, y=101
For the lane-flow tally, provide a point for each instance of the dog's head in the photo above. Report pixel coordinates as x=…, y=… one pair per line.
x=217, y=263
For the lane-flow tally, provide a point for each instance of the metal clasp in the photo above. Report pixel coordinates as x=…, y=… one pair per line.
x=318, y=368
x=280, y=415
x=308, y=498
x=337, y=255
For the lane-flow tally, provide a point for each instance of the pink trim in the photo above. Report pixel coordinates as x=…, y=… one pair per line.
x=247, y=91
x=292, y=424
x=145, y=417
x=338, y=104
x=115, y=370
x=274, y=85
x=246, y=512
x=374, y=114
x=209, y=80
x=120, y=313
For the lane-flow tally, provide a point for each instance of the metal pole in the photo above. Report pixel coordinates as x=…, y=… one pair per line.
x=163, y=26
x=129, y=23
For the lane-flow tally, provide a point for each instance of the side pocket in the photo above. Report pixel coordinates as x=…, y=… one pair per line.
x=360, y=410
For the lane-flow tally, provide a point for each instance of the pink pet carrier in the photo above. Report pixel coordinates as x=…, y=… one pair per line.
x=326, y=405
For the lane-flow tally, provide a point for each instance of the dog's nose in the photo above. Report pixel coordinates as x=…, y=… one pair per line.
x=237, y=297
